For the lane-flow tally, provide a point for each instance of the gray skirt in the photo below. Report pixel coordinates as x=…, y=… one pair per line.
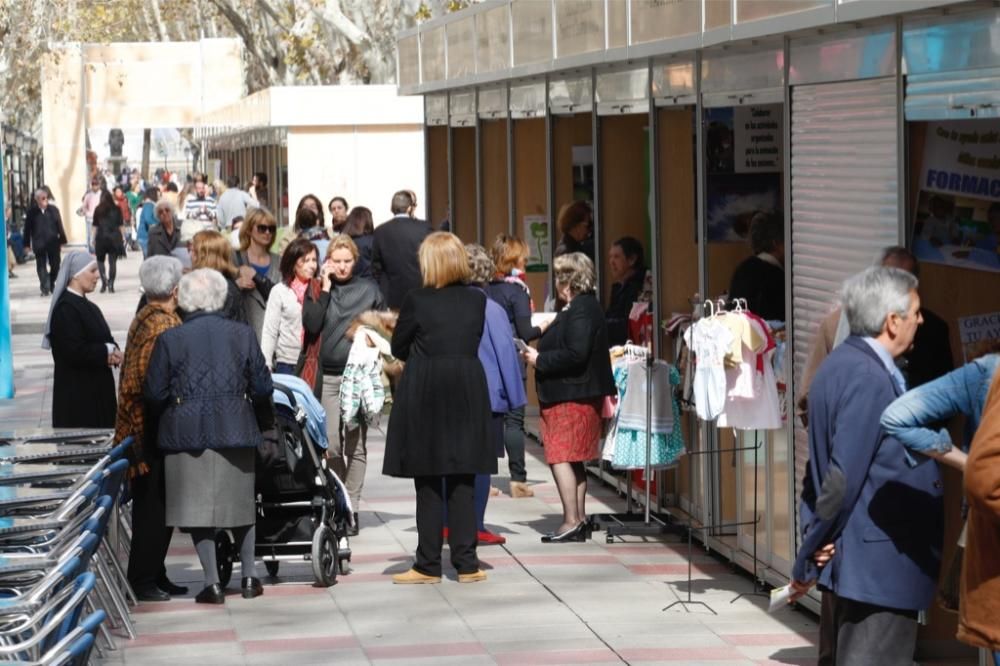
x=211, y=488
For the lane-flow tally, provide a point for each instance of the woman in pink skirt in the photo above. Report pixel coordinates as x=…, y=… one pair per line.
x=572, y=376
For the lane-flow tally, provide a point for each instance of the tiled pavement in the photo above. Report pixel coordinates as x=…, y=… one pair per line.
x=590, y=603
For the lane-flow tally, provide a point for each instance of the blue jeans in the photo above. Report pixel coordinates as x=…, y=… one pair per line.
x=996, y=658
x=284, y=368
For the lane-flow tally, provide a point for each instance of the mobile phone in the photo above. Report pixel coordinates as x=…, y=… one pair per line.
x=521, y=345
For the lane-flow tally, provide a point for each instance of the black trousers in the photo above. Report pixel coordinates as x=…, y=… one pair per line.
x=432, y=495
x=112, y=257
x=150, y=533
x=513, y=441
x=47, y=261
x=854, y=633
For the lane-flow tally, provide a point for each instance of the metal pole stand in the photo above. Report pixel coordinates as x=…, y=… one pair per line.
x=648, y=523
x=756, y=520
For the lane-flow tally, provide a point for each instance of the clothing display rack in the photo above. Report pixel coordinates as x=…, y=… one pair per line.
x=630, y=523
x=712, y=453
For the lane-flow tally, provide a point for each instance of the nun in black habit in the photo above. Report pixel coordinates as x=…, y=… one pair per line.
x=83, y=390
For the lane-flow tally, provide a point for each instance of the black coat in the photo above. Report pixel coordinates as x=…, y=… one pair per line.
x=394, y=257
x=108, y=232
x=441, y=416
x=573, y=361
x=762, y=284
x=930, y=357
x=204, y=381
x=43, y=228
x=83, y=390
x=160, y=243
x=363, y=266
x=623, y=297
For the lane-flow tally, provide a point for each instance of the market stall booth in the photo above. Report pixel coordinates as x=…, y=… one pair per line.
x=464, y=129
x=690, y=124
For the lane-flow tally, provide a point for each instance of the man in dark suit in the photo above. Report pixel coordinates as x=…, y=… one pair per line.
x=394, y=250
x=44, y=234
x=871, y=524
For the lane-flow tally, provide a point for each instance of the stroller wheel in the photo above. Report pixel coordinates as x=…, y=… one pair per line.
x=224, y=554
x=324, y=556
x=272, y=568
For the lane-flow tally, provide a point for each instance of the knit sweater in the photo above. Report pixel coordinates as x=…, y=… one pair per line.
x=281, y=335
x=333, y=314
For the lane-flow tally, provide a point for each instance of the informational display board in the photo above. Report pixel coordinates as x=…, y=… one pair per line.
x=958, y=213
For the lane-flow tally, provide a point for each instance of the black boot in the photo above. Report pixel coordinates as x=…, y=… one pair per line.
x=104, y=286
x=111, y=286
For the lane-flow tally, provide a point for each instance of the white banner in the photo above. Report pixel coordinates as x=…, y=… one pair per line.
x=962, y=158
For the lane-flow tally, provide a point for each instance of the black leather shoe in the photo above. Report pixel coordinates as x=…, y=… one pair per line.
x=213, y=594
x=171, y=589
x=151, y=593
x=577, y=534
x=252, y=587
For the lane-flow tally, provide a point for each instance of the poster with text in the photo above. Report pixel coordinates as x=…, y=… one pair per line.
x=536, y=235
x=979, y=334
x=757, y=144
x=957, y=221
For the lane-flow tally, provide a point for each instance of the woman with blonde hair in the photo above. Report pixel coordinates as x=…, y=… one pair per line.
x=259, y=267
x=210, y=249
x=326, y=317
x=439, y=427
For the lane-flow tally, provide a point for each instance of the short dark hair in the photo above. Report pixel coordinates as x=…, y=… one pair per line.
x=632, y=248
x=201, y=178
x=402, y=202
x=233, y=181
x=341, y=200
x=767, y=231
x=897, y=254
x=261, y=177
x=305, y=218
x=152, y=193
x=359, y=222
x=172, y=186
x=298, y=248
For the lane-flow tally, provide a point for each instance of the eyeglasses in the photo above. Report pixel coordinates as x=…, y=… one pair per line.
x=266, y=229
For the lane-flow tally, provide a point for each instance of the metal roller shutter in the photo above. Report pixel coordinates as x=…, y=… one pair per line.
x=845, y=204
x=971, y=93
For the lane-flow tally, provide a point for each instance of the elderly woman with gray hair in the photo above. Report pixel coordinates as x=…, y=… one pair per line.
x=572, y=377
x=159, y=277
x=499, y=358
x=165, y=236
x=208, y=385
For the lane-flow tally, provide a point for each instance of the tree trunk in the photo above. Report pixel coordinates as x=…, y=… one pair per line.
x=147, y=139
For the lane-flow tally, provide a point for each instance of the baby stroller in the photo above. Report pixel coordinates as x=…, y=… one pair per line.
x=303, y=511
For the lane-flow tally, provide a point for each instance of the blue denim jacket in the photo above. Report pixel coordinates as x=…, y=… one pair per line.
x=961, y=391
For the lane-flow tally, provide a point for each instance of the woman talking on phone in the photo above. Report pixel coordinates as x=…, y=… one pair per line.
x=342, y=297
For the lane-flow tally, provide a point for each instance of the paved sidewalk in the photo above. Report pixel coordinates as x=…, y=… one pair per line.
x=591, y=603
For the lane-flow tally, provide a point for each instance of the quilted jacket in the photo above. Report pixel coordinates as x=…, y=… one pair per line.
x=203, y=381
